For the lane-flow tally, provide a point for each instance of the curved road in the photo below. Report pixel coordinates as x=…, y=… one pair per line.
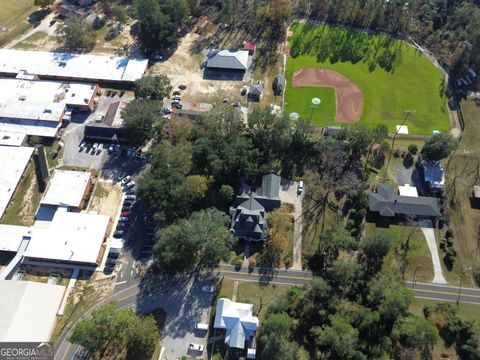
x=184, y=301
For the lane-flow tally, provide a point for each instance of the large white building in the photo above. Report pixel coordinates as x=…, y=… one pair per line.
x=67, y=188
x=76, y=67
x=237, y=320
x=14, y=160
x=38, y=107
x=28, y=310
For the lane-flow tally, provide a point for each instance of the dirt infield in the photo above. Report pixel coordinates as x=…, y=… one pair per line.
x=348, y=97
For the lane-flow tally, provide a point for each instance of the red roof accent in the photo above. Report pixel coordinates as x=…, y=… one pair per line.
x=249, y=46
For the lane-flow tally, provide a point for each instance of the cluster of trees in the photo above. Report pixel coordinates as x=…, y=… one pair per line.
x=111, y=330
x=202, y=240
x=354, y=311
x=196, y=165
x=76, y=35
x=441, y=25
x=143, y=116
x=161, y=22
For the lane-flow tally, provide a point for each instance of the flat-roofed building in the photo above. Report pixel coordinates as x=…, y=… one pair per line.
x=76, y=67
x=11, y=237
x=9, y=138
x=14, y=160
x=37, y=107
x=71, y=238
x=67, y=188
x=110, y=128
x=28, y=310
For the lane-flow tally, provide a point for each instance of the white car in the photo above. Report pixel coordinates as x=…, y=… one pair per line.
x=182, y=86
x=94, y=148
x=130, y=185
x=176, y=97
x=130, y=197
x=196, y=347
x=300, y=188
x=100, y=148
x=83, y=145
x=111, y=148
x=126, y=179
x=208, y=288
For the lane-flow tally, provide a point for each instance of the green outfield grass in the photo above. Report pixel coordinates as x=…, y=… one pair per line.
x=392, y=75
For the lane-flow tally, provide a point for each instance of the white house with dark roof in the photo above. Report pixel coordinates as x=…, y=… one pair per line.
x=238, y=322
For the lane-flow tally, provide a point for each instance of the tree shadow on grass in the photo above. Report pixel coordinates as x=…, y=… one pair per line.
x=336, y=44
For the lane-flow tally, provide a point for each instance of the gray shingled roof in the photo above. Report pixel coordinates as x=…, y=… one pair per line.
x=271, y=186
x=387, y=203
x=225, y=62
x=256, y=89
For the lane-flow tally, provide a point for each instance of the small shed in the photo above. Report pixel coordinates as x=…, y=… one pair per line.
x=278, y=85
x=476, y=191
x=250, y=47
x=256, y=92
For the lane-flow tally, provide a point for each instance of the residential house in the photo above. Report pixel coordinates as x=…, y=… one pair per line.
x=249, y=212
x=387, y=203
x=238, y=322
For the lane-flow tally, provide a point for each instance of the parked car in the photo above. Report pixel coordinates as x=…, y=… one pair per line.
x=176, y=92
x=157, y=57
x=118, y=233
x=175, y=101
x=121, y=225
x=53, y=22
x=126, y=180
x=196, y=347
x=121, y=175
x=123, y=219
x=182, y=86
x=111, y=262
x=111, y=148
x=117, y=149
x=130, y=152
x=208, y=288
x=83, y=145
x=100, y=148
x=130, y=197
x=94, y=148
x=176, y=97
x=167, y=110
x=177, y=105
x=126, y=208
x=201, y=326
x=125, y=213
x=300, y=188
x=130, y=185
x=130, y=191
x=113, y=255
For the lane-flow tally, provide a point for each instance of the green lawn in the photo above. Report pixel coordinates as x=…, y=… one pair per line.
x=392, y=76
x=13, y=18
x=418, y=256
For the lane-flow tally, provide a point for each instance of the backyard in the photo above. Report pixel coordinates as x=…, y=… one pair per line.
x=392, y=76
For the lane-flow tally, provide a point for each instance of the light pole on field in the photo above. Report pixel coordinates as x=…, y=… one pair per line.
x=315, y=102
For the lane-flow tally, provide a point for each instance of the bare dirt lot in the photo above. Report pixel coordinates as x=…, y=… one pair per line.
x=185, y=66
x=106, y=199
x=348, y=97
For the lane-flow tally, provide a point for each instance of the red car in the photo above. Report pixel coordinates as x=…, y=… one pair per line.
x=125, y=213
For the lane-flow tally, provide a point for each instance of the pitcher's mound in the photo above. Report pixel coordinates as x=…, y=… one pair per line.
x=348, y=97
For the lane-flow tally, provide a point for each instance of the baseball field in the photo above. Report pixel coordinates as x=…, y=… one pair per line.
x=362, y=78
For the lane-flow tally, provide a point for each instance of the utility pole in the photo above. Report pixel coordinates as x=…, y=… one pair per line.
x=415, y=275
x=408, y=113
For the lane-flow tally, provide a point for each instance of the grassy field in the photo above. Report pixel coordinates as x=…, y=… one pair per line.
x=392, y=76
x=13, y=18
x=418, y=256
x=471, y=114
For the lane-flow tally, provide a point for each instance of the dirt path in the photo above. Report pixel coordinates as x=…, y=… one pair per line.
x=348, y=96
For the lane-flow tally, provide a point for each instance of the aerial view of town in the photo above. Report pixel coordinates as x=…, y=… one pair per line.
x=232, y=180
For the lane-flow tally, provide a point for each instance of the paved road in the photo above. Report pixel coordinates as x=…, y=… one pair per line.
x=185, y=304
x=445, y=293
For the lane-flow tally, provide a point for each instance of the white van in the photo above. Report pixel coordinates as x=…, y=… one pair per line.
x=201, y=326
x=300, y=188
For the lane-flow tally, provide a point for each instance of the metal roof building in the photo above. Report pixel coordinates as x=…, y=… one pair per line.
x=228, y=60
x=389, y=204
x=28, y=310
x=238, y=321
x=66, y=66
